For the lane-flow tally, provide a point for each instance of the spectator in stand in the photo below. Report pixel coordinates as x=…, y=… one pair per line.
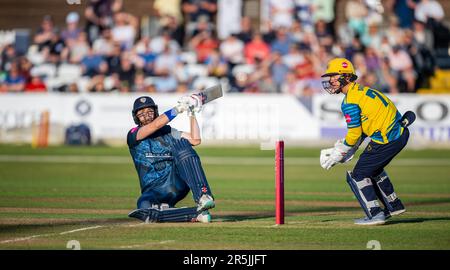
x=127, y=72
x=279, y=71
x=78, y=49
x=322, y=57
x=356, y=13
x=432, y=14
x=9, y=55
x=373, y=36
x=58, y=52
x=246, y=33
x=422, y=35
x=423, y=60
x=294, y=57
x=229, y=18
x=388, y=80
x=148, y=57
x=72, y=31
x=45, y=33
x=139, y=83
x=324, y=36
x=35, y=85
x=165, y=62
x=197, y=10
x=232, y=50
x=372, y=60
x=355, y=47
x=428, y=9
x=323, y=10
x=306, y=70
x=203, y=44
x=217, y=65
x=166, y=84
x=158, y=43
x=202, y=25
x=193, y=9
x=14, y=82
x=292, y=86
x=281, y=13
x=262, y=77
x=402, y=65
x=360, y=61
x=175, y=29
x=256, y=48
x=304, y=11
x=268, y=32
x=125, y=29
x=181, y=74
x=167, y=10
x=25, y=67
x=93, y=64
x=72, y=88
x=104, y=45
x=282, y=43
x=297, y=33
x=393, y=32
x=310, y=42
x=99, y=14
x=404, y=10
x=113, y=61
x=97, y=85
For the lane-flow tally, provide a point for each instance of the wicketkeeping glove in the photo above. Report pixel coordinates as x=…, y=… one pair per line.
x=331, y=156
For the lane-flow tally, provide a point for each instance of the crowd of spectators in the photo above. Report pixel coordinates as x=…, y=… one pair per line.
x=394, y=50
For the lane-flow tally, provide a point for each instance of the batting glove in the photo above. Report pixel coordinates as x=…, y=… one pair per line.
x=195, y=104
x=182, y=105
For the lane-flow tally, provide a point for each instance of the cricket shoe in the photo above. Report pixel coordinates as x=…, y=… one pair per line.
x=378, y=219
x=204, y=217
x=141, y=214
x=399, y=209
x=206, y=202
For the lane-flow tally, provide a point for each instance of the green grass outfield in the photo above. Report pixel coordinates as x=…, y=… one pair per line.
x=50, y=196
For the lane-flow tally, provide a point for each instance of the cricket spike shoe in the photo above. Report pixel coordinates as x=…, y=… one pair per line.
x=378, y=219
x=206, y=202
x=204, y=217
x=399, y=208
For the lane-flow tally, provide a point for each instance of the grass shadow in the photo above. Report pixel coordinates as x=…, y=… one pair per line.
x=416, y=220
x=24, y=227
x=243, y=217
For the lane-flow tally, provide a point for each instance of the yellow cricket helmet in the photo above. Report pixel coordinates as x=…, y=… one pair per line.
x=342, y=67
x=339, y=66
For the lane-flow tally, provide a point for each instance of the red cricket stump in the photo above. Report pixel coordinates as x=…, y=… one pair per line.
x=279, y=182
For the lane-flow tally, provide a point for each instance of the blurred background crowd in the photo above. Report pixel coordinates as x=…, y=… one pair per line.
x=396, y=46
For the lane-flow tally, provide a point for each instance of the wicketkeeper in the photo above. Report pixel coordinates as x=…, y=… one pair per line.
x=368, y=113
x=167, y=165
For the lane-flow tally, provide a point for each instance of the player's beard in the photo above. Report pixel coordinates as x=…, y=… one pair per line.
x=148, y=118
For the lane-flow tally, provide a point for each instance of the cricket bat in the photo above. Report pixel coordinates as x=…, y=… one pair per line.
x=210, y=94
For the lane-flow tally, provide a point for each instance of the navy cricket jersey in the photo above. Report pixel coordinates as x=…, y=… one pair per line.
x=152, y=155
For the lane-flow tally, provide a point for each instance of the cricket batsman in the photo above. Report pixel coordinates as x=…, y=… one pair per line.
x=167, y=165
x=370, y=113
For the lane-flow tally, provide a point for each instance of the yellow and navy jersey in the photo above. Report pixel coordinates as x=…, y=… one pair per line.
x=368, y=111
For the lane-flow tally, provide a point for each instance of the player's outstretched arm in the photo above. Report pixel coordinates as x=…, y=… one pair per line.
x=194, y=136
x=160, y=121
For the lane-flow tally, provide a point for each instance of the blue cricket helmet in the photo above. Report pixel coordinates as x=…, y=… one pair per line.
x=141, y=103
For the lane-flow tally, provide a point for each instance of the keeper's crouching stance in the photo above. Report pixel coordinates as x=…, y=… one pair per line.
x=368, y=113
x=167, y=165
